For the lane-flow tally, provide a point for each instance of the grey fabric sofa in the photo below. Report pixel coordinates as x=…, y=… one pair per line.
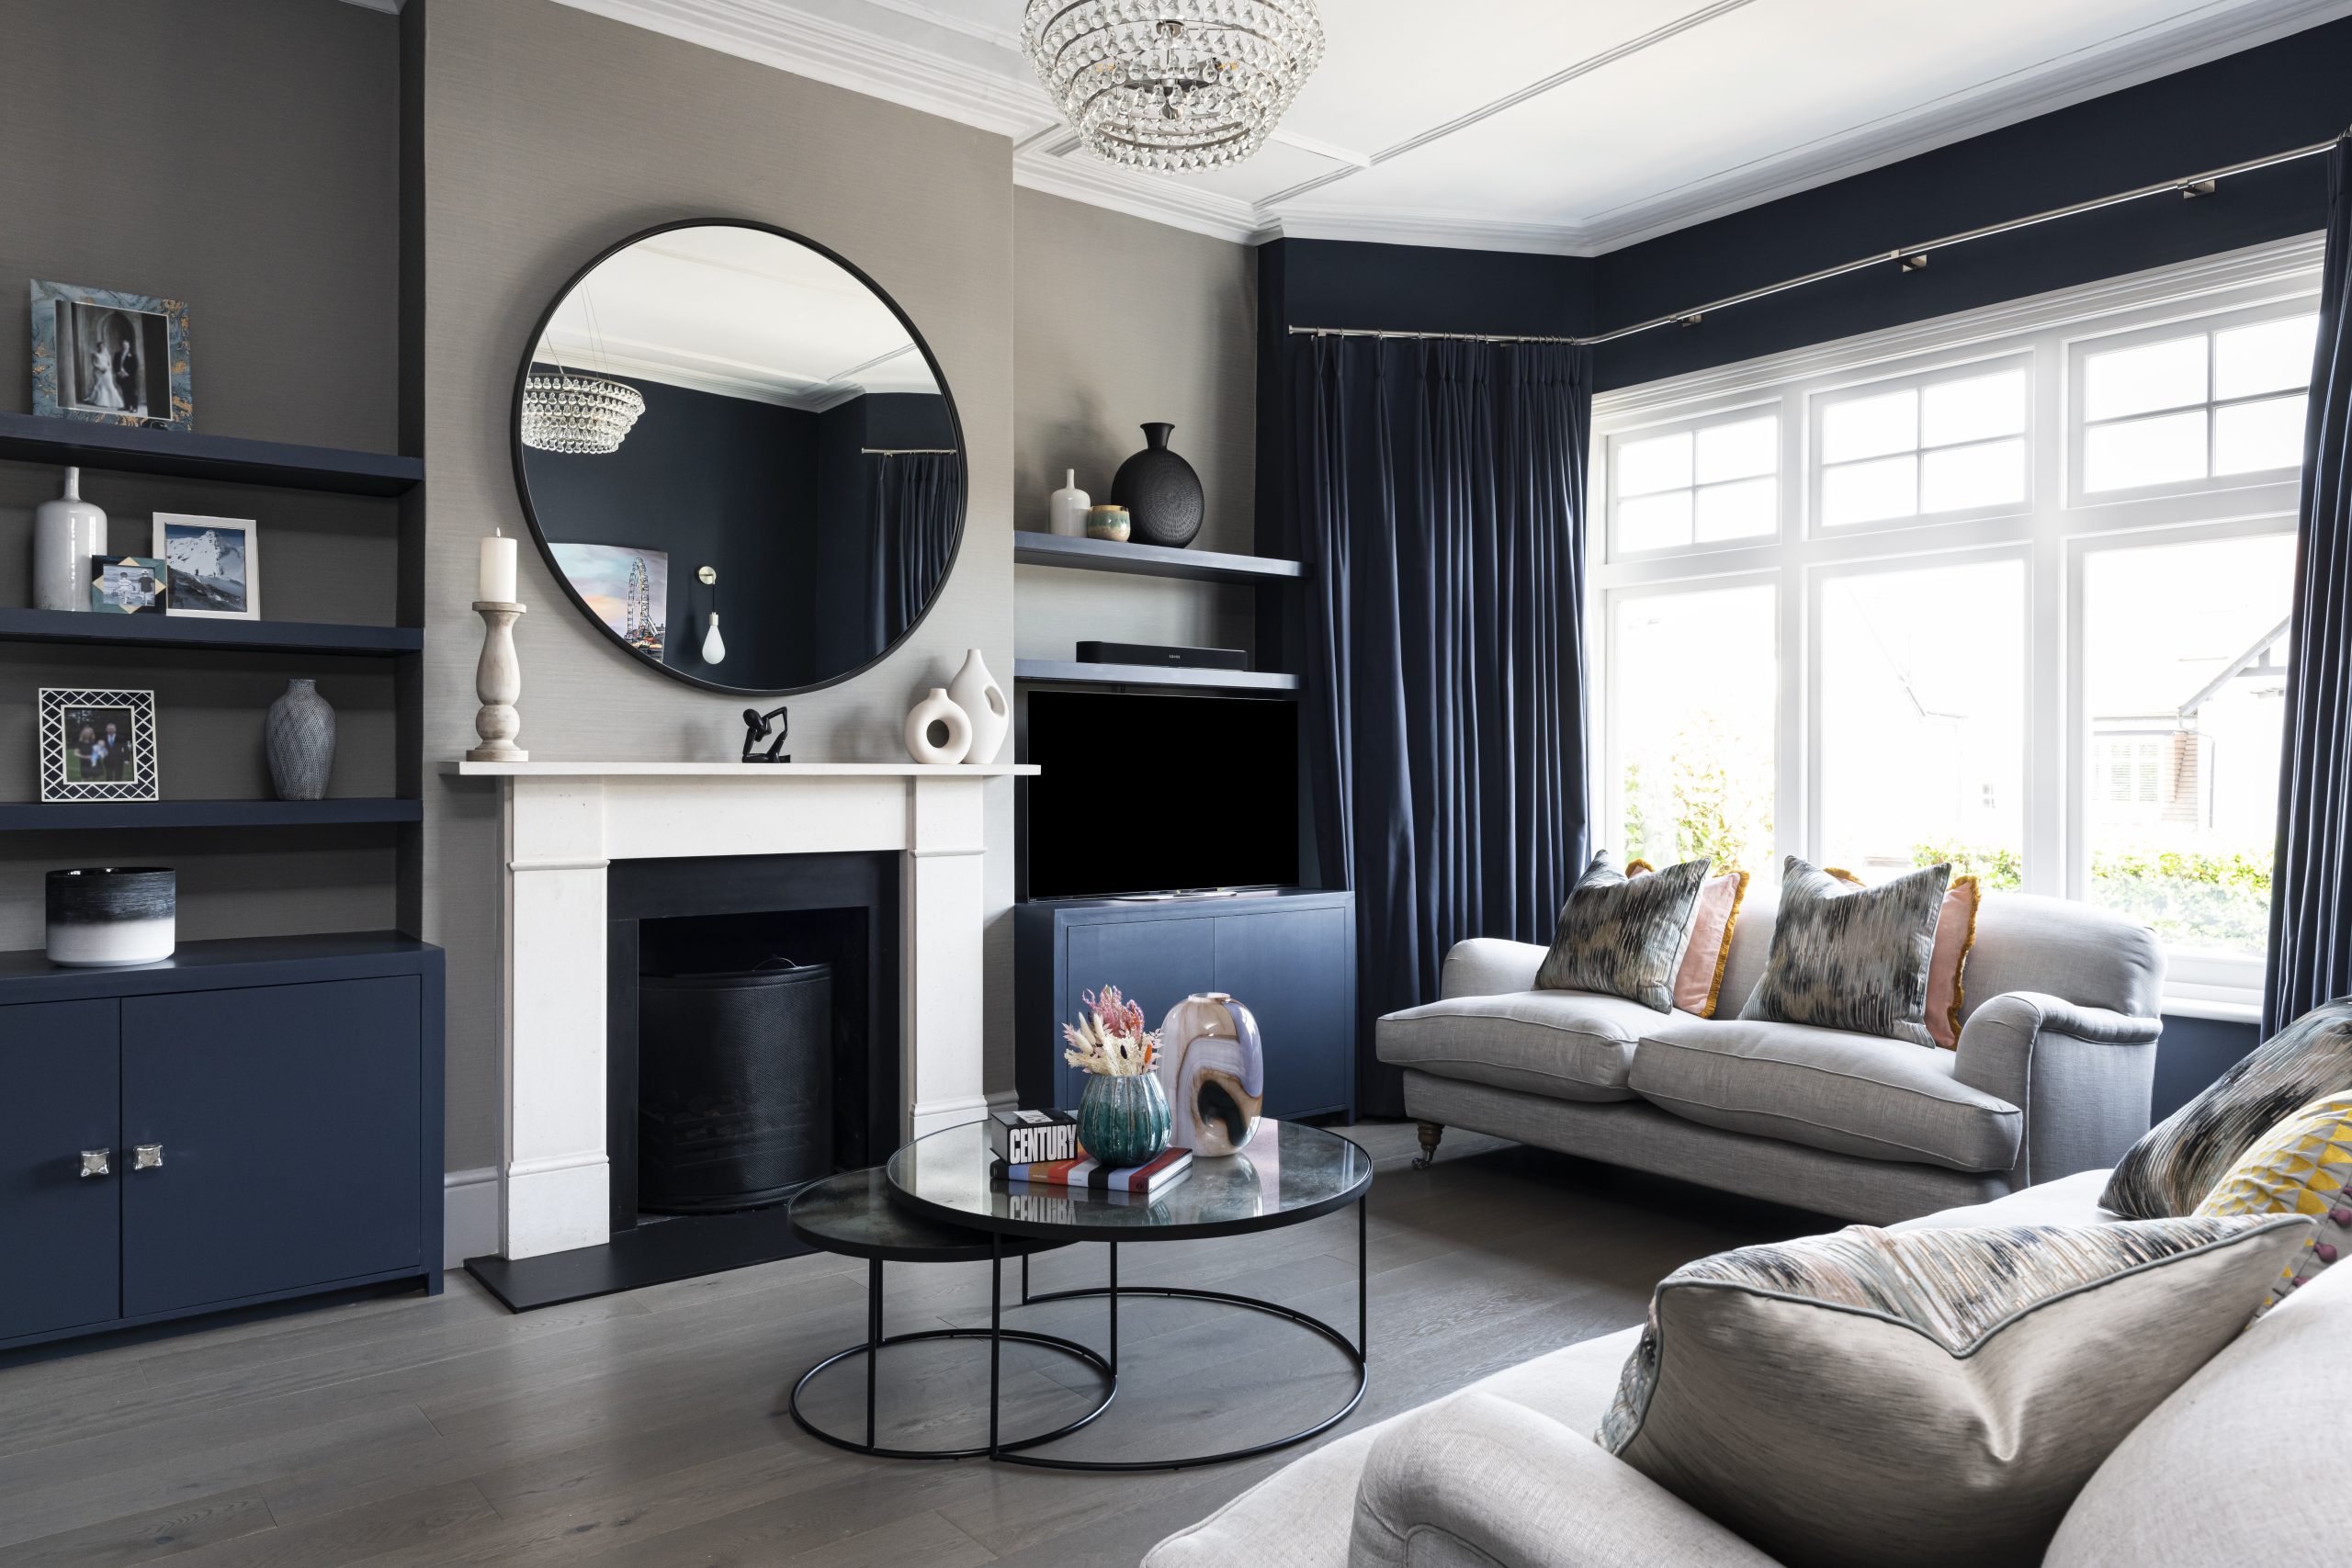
x=1505, y=1471
x=2056, y=1054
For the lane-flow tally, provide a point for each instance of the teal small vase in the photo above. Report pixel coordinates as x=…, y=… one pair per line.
x=1122, y=1121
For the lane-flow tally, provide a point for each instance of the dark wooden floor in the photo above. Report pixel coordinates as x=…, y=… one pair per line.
x=650, y=1428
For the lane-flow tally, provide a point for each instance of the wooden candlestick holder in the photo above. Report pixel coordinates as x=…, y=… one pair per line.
x=498, y=682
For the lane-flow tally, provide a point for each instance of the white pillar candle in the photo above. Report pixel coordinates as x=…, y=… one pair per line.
x=498, y=570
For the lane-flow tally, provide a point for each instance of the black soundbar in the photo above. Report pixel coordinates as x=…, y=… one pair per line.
x=1156, y=653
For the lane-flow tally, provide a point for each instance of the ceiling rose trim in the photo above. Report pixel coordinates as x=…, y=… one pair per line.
x=2210, y=31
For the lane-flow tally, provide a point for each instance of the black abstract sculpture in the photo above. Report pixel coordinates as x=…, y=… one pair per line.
x=759, y=727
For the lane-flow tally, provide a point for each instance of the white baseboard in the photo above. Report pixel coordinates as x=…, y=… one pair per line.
x=469, y=1215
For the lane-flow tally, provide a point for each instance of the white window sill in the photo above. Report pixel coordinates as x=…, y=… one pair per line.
x=2223, y=1004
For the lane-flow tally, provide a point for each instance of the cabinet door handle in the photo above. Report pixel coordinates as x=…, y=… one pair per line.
x=146, y=1156
x=96, y=1162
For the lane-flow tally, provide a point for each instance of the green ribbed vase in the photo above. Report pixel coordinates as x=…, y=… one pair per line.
x=1122, y=1121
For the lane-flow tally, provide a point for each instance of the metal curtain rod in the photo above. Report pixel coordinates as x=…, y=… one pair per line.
x=1911, y=258
x=906, y=451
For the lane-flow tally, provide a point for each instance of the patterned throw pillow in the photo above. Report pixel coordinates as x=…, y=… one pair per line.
x=1699, y=978
x=1850, y=957
x=1947, y=962
x=2184, y=1157
x=2301, y=1168
x=1624, y=938
x=1934, y=1398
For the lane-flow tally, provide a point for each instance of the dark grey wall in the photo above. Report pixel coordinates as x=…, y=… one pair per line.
x=2194, y=1052
x=256, y=177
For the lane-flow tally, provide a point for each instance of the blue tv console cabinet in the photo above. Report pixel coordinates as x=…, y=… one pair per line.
x=250, y=1121
x=1289, y=956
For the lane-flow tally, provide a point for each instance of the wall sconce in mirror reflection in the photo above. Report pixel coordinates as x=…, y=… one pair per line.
x=714, y=647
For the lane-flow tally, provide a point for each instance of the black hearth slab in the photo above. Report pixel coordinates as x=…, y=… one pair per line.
x=653, y=1254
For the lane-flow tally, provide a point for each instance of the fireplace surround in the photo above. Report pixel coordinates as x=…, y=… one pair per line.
x=564, y=828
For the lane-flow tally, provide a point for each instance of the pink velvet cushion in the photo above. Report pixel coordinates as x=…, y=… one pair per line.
x=1699, y=979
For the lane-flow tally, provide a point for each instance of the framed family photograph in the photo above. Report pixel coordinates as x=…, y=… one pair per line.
x=97, y=745
x=135, y=585
x=100, y=353
x=215, y=566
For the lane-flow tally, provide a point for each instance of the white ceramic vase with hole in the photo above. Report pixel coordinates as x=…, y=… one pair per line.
x=984, y=702
x=938, y=709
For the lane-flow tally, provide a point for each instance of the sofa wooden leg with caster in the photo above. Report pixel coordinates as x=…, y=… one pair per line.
x=1431, y=1133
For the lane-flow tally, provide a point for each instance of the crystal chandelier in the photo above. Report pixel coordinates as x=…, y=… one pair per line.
x=564, y=413
x=1172, y=85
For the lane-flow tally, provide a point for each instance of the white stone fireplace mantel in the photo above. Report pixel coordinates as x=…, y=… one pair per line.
x=562, y=824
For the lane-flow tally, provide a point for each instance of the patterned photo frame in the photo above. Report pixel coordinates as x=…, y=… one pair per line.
x=150, y=324
x=62, y=758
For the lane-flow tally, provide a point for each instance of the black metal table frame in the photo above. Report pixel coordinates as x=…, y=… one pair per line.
x=875, y=1340
x=1015, y=1451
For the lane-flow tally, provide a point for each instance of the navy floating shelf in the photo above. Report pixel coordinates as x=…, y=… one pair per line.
x=188, y=631
x=29, y=817
x=1071, y=672
x=27, y=975
x=28, y=438
x=1150, y=560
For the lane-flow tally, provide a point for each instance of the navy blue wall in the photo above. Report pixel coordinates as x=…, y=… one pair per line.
x=2194, y=1052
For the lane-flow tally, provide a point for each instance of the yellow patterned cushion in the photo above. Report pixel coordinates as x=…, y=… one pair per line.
x=2301, y=1166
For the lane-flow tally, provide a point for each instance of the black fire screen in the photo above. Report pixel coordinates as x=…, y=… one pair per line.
x=735, y=1088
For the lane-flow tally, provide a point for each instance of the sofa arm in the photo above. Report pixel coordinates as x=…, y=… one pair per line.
x=1490, y=966
x=1479, y=1479
x=2082, y=1074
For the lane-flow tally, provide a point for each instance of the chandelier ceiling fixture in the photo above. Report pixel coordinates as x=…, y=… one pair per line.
x=581, y=414
x=1177, y=85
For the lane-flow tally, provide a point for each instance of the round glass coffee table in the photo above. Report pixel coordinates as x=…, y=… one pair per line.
x=1289, y=1174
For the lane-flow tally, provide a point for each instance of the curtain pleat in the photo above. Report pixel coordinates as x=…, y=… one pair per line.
x=1440, y=493
x=913, y=500
x=2310, y=882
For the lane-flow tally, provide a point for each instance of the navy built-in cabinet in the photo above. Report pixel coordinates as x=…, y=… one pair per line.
x=253, y=1121
x=1289, y=956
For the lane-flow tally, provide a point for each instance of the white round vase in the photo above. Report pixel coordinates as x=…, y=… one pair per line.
x=983, y=700
x=939, y=710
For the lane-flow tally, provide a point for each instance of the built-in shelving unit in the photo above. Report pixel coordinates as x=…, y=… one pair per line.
x=29, y=438
x=32, y=818
x=1071, y=672
x=187, y=631
x=1150, y=560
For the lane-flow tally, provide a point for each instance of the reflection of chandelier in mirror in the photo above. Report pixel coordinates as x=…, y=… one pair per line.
x=1178, y=86
x=570, y=412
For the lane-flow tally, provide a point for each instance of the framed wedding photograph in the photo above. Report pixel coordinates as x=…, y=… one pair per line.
x=97, y=745
x=215, y=566
x=105, y=356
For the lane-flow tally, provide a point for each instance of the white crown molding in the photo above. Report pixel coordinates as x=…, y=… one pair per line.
x=781, y=34
x=2211, y=31
x=2285, y=268
x=844, y=56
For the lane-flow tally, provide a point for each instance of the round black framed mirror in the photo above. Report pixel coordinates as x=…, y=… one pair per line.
x=739, y=457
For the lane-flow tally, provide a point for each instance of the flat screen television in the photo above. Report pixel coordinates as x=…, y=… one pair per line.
x=1159, y=794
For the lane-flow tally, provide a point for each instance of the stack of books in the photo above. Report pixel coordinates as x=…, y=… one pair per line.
x=1040, y=1149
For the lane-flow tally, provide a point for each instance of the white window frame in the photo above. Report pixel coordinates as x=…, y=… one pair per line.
x=2052, y=532
x=1819, y=403
x=2209, y=326
x=1736, y=415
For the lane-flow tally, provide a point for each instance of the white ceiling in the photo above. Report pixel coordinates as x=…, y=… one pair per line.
x=1561, y=125
x=739, y=312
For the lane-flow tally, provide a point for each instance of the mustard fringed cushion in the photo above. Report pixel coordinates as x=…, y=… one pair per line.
x=2299, y=1169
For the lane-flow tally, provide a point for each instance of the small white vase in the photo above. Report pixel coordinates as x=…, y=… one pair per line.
x=66, y=533
x=938, y=708
x=983, y=700
x=1065, y=508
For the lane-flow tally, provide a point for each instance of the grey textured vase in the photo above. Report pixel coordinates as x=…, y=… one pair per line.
x=301, y=739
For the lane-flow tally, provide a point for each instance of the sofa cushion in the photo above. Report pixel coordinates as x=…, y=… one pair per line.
x=2069, y=1200
x=1935, y=1397
x=1857, y=1094
x=2303, y=1166
x=1846, y=956
x=2186, y=1155
x=1300, y=1516
x=1561, y=1044
x=2235, y=1468
x=1624, y=937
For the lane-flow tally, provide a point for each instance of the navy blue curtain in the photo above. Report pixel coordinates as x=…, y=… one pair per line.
x=914, y=500
x=1441, y=507
x=2310, y=882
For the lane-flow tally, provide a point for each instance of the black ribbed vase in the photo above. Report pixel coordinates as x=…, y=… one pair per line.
x=1160, y=491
